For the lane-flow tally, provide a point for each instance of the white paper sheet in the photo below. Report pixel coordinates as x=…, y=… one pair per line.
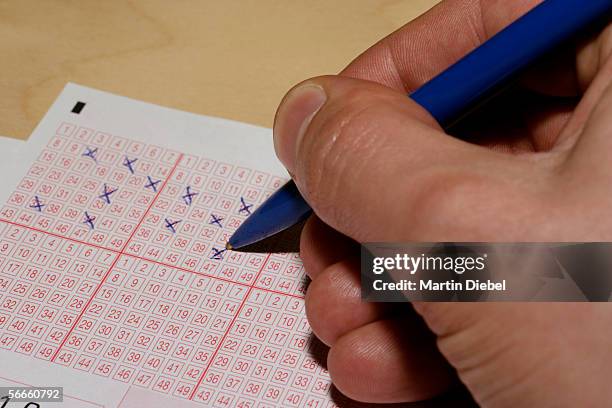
x=113, y=282
x=10, y=151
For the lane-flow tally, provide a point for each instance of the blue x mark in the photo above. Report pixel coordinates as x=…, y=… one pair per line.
x=89, y=152
x=129, y=164
x=89, y=220
x=107, y=193
x=216, y=220
x=188, y=197
x=170, y=225
x=152, y=183
x=245, y=208
x=38, y=206
x=217, y=254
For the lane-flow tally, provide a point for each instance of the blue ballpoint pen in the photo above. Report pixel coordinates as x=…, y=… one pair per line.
x=454, y=92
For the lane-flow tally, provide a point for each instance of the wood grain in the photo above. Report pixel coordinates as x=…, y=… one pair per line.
x=232, y=59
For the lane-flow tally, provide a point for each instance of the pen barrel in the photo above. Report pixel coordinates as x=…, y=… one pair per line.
x=484, y=71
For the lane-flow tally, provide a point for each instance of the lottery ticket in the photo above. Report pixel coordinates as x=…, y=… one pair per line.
x=114, y=280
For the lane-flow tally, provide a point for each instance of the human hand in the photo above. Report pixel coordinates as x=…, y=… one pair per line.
x=376, y=167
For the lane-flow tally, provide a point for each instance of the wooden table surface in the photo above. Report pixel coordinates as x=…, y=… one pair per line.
x=233, y=59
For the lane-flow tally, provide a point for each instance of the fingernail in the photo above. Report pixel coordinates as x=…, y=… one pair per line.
x=292, y=119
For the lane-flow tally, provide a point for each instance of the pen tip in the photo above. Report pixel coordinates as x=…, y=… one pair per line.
x=229, y=246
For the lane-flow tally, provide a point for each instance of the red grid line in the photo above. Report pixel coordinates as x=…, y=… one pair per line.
x=142, y=258
x=117, y=257
x=246, y=297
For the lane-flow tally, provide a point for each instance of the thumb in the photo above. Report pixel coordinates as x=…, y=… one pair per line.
x=375, y=165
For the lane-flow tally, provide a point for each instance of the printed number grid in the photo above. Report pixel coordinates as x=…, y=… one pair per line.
x=112, y=262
